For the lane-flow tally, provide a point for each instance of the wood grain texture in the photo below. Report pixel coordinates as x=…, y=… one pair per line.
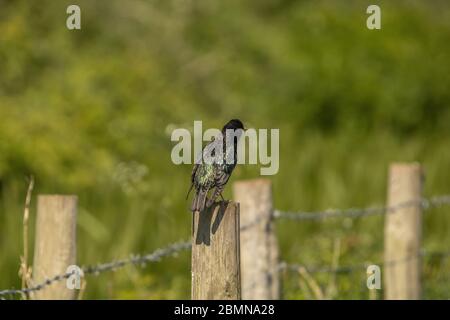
x=259, y=246
x=55, y=244
x=403, y=232
x=215, y=253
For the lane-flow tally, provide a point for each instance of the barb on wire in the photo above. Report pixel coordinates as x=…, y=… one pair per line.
x=142, y=260
x=437, y=201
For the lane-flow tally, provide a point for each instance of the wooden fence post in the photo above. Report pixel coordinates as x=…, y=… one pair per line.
x=55, y=245
x=259, y=246
x=215, y=253
x=402, y=232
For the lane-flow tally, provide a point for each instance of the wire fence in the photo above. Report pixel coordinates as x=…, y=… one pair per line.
x=140, y=260
x=175, y=248
x=425, y=204
x=348, y=269
x=353, y=213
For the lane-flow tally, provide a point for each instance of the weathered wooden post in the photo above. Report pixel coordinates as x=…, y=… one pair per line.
x=259, y=247
x=215, y=253
x=55, y=245
x=402, y=232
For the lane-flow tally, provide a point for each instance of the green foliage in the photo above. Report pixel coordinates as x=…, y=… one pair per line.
x=89, y=112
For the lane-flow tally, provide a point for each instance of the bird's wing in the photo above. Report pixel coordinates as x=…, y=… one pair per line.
x=207, y=150
x=221, y=177
x=194, y=170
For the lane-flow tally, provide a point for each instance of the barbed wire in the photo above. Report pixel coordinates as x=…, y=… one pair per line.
x=175, y=248
x=141, y=260
x=437, y=201
x=296, y=267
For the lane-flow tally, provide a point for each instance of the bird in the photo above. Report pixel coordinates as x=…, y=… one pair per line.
x=215, y=170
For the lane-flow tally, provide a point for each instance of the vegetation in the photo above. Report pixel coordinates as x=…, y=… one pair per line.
x=90, y=112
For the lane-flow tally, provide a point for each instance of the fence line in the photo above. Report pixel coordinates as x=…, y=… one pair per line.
x=425, y=204
x=402, y=230
x=142, y=260
x=295, y=267
x=155, y=256
x=173, y=249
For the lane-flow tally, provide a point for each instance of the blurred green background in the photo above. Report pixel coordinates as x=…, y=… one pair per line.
x=90, y=112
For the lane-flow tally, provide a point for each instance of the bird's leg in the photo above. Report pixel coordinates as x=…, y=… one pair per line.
x=221, y=196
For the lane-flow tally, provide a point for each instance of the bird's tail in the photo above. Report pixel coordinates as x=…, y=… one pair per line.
x=199, y=200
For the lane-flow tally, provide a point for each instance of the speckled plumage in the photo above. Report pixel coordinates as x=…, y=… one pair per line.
x=213, y=172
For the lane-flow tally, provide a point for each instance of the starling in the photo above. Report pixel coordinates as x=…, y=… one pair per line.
x=215, y=170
